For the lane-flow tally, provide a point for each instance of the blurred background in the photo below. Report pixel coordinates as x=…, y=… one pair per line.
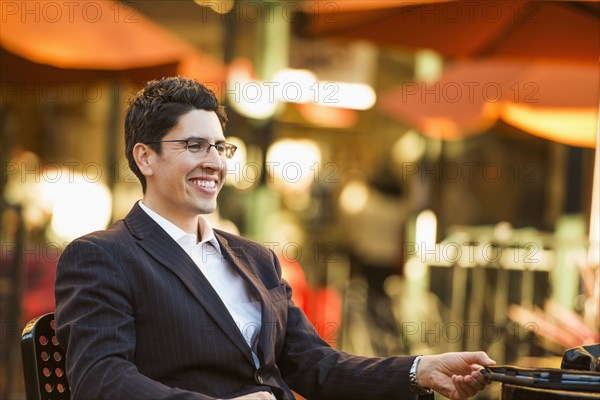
x=426, y=171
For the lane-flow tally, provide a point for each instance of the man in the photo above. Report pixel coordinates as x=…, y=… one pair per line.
x=161, y=306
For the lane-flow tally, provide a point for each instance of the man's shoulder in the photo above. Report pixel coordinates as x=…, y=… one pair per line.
x=248, y=249
x=235, y=240
x=115, y=235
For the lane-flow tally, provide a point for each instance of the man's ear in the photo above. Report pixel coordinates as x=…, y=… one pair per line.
x=143, y=156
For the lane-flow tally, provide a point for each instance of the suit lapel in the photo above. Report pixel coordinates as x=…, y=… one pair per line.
x=156, y=242
x=243, y=265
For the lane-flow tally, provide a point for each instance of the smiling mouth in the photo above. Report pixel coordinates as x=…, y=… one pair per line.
x=204, y=183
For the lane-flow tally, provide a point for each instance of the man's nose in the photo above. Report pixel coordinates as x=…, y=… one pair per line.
x=212, y=160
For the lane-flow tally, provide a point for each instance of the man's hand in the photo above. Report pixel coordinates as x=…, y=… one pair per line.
x=454, y=375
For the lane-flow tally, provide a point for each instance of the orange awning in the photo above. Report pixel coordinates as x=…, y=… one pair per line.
x=87, y=36
x=556, y=101
x=556, y=30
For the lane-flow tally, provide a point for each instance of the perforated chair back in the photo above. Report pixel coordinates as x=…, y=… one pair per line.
x=43, y=361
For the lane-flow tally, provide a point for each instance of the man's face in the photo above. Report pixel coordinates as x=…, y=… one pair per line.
x=182, y=184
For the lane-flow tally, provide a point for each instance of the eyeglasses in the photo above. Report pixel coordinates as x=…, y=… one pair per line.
x=200, y=145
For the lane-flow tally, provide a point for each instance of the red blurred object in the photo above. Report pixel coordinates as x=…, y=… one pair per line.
x=39, y=272
x=325, y=312
x=294, y=275
x=38, y=297
x=322, y=306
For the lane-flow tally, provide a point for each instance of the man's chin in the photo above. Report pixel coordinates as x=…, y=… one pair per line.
x=206, y=209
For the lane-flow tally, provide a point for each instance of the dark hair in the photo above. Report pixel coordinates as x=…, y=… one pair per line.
x=156, y=109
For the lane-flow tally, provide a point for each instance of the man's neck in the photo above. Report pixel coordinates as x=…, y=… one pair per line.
x=187, y=223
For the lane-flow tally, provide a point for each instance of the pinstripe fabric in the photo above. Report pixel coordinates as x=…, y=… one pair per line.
x=138, y=320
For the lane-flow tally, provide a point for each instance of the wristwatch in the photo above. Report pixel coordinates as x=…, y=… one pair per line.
x=414, y=384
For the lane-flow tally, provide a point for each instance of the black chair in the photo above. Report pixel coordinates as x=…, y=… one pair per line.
x=43, y=361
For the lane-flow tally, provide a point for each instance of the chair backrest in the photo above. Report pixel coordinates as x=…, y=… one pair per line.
x=43, y=361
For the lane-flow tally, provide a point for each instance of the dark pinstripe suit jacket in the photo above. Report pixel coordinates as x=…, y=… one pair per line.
x=138, y=320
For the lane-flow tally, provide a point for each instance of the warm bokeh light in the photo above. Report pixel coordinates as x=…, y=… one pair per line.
x=355, y=96
x=428, y=65
x=23, y=188
x=246, y=94
x=575, y=127
x=293, y=164
x=81, y=206
x=295, y=85
x=426, y=231
x=354, y=197
x=259, y=99
x=252, y=99
x=409, y=148
x=245, y=167
x=302, y=86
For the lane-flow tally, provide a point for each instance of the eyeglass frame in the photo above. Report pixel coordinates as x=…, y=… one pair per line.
x=232, y=147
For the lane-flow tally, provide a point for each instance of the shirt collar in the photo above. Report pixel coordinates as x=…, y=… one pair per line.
x=181, y=236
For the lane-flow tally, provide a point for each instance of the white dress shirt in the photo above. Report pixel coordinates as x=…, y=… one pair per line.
x=241, y=303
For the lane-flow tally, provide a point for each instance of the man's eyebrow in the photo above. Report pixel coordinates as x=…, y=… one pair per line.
x=204, y=139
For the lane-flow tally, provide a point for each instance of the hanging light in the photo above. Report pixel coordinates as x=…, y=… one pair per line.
x=220, y=6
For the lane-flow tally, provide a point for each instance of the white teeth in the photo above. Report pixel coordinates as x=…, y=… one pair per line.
x=206, y=184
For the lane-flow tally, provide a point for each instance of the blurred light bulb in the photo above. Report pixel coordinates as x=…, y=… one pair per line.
x=354, y=197
x=426, y=231
x=293, y=164
x=81, y=206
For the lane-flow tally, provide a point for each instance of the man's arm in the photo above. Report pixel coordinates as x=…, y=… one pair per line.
x=315, y=370
x=95, y=325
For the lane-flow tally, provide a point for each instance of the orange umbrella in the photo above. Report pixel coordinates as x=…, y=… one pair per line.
x=88, y=40
x=565, y=30
x=526, y=46
x=462, y=103
x=562, y=103
x=556, y=101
